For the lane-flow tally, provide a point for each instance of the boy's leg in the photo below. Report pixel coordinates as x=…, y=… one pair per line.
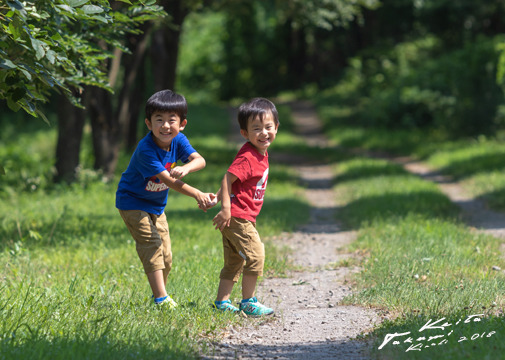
x=151, y=238
x=248, y=286
x=224, y=290
x=230, y=273
x=164, y=232
x=157, y=282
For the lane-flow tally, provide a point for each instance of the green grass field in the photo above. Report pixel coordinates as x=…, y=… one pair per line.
x=420, y=264
x=71, y=285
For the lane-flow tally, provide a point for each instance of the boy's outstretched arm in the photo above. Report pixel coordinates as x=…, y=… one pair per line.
x=203, y=199
x=196, y=162
x=222, y=219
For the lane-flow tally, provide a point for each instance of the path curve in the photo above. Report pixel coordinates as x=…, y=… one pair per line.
x=475, y=212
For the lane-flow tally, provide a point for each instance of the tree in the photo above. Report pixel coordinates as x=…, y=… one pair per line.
x=49, y=46
x=269, y=46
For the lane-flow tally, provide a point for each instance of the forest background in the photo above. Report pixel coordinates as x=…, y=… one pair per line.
x=407, y=64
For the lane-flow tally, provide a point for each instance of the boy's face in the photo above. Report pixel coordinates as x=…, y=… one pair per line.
x=260, y=133
x=165, y=126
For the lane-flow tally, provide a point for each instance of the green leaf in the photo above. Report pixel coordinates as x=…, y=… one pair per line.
x=14, y=30
x=76, y=3
x=92, y=9
x=26, y=73
x=15, y=5
x=51, y=55
x=7, y=64
x=13, y=105
x=57, y=37
x=100, y=18
x=43, y=116
x=39, y=49
x=125, y=1
x=66, y=8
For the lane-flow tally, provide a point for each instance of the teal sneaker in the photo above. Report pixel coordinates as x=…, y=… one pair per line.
x=225, y=306
x=252, y=307
x=166, y=301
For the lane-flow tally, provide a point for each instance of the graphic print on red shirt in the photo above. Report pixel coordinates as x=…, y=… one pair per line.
x=261, y=186
x=251, y=169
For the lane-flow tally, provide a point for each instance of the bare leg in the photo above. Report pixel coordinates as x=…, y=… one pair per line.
x=157, y=282
x=224, y=290
x=248, y=286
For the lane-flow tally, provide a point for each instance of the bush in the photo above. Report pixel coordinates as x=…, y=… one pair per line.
x=420, y=84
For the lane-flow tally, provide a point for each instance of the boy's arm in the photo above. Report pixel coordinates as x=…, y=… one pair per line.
x=222, y=219
x=185, y=189
x=196, y=162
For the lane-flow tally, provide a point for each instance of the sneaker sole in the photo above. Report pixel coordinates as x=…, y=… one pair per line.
x=255, y=316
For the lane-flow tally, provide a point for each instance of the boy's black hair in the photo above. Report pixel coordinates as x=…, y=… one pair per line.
x=257, y=107
x=167, y=101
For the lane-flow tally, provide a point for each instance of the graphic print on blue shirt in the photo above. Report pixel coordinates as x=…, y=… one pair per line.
x=155, y=185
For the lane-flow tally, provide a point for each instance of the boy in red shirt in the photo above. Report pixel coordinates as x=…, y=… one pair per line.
x=241, y=194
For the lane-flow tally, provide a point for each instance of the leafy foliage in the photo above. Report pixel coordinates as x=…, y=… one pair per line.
x=421, y=84
x=47, y=45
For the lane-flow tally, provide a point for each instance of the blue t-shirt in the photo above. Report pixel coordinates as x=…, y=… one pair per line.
x=139, y=188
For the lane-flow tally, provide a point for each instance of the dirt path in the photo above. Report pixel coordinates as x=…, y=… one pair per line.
x=474, y=211
x=309, y=322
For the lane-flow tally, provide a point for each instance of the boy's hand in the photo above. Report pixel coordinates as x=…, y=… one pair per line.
x=204, y=200
x=212, y=198
x=178, y=172
x=222, y=219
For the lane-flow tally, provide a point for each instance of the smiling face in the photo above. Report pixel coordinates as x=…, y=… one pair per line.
x=165, y=126
x=260, y=133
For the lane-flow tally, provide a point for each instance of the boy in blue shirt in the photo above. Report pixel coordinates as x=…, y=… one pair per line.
x=142, y=192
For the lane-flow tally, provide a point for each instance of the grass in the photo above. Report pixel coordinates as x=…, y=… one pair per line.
x=71, y=284
x=420, y=262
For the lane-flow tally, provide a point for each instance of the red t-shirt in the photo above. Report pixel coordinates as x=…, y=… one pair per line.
x=251, y=169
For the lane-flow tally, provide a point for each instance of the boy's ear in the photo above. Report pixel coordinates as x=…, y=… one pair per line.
x=244, y=133
x=148, y=123
x=183, y=124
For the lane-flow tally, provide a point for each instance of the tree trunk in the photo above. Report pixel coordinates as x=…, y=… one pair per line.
x=105, y=130
x=165, y=47
x=132, y=93
x=111, y=126
x=70, y=128
x=136, y=109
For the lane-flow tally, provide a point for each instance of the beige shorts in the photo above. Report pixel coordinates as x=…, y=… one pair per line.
x=243, y=250
x=152, y=239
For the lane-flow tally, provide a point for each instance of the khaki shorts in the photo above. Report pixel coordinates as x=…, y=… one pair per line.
x=243, y=250
x=152, y=239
